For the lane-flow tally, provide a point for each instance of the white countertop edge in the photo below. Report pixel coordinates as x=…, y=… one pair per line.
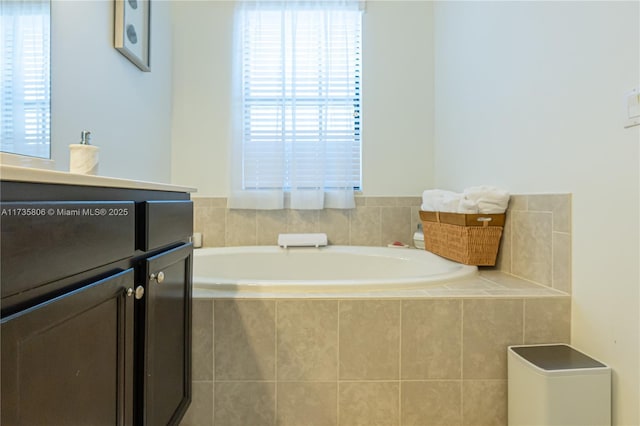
x=25, y=174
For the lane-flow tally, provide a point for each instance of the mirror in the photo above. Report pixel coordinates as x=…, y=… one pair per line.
x=25, y=83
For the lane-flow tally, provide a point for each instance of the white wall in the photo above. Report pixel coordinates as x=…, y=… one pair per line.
x=95, y=88
x=397, y=95
x=398, y=98
x=529, y=96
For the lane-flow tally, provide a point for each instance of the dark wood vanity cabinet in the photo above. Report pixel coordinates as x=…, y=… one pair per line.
x=68, y=361
x=96, y=307
x=165, y=312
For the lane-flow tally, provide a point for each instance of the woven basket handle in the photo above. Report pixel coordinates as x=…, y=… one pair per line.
x=485, y=220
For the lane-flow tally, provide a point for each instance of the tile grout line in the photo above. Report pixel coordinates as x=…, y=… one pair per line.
x=380, y=225
x=400, y=366
x=553, y=254
x=349, y=224
x=523, y=321
x=226, y=228
x=338, y=363
x=213, y=361
x=462, y=361
x=511, y=251
x=275, y=361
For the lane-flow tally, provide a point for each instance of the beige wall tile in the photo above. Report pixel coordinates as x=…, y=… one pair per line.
x=431, y=403
x=307, y=404
x=369, y=403
x=335, y=223
x=244, y=403
x=302, y=221
x=360, y=200
x=489, y=326
x=369, y=340
x=503, y=261
x=200, y=202
x=370, y=390
x=507, y=281
x=409, y=201
x=518, y=202
x=202, y=340
x=381, y=201
x=484, y=403
x=200, y=412
x=547, y=320
x=396, y=225
x=558, y=204
x=562, y=262
x=532, y=246
x=269, y=224
x=241, y=228
x=365, y=226
x=473, y=283
x=415, y=220
x=431, y=339
x=216, y=202
x=244, y=339
x=307, y=340
x=562, y=214
x=211, y=222
x=530, y=231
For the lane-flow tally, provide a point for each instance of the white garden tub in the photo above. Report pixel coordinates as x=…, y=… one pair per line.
x=271, y=269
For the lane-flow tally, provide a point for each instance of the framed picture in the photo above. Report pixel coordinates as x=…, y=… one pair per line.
x=132, y=22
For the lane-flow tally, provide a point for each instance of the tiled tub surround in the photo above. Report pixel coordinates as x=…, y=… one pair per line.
x=427, y=357
x=536, y=242
x=376, y=221
x=435, y=360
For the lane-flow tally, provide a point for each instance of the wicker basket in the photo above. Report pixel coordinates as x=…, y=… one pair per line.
x=472, y=239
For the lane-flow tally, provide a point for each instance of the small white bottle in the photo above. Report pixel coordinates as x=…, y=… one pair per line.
x=84, y=156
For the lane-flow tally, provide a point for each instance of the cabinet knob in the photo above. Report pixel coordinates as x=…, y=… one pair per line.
x=159, y=277
x=129, y=292
x=139, y=292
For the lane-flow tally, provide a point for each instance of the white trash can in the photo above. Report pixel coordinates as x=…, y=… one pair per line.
x=556, y=385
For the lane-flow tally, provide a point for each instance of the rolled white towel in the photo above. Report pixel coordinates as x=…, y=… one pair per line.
x=439, y=200
x=489, y=199
x=456, y=203
x=467, y=206
x=450, y=203
x=432, y=199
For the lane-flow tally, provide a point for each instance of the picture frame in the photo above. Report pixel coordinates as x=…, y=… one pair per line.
x=132, y=31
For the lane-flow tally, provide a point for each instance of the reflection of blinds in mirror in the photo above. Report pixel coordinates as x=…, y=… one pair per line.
x=25, y=77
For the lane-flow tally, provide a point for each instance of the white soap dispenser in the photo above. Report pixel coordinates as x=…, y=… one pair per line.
x=84, y=156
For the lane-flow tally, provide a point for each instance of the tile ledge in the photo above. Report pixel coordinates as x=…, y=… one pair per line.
x=499, y=278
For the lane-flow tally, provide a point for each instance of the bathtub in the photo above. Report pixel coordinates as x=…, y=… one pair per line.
x=272, y=269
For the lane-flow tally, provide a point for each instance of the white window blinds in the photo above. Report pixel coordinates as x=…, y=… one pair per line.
x=24, y=77
x=300, y=103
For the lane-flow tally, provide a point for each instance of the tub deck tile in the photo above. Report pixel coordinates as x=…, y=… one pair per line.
x=485, y=284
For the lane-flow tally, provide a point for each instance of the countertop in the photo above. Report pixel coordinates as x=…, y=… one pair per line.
x=26, y=174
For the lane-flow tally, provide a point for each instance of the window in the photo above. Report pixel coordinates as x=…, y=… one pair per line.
x=299, y=127
x=24, y=77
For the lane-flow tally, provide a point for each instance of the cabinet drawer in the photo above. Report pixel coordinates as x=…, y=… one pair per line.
x=164, y=222
x=47, y=241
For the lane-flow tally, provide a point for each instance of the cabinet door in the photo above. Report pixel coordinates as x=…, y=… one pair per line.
x=69, y=361
x=167, y=351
